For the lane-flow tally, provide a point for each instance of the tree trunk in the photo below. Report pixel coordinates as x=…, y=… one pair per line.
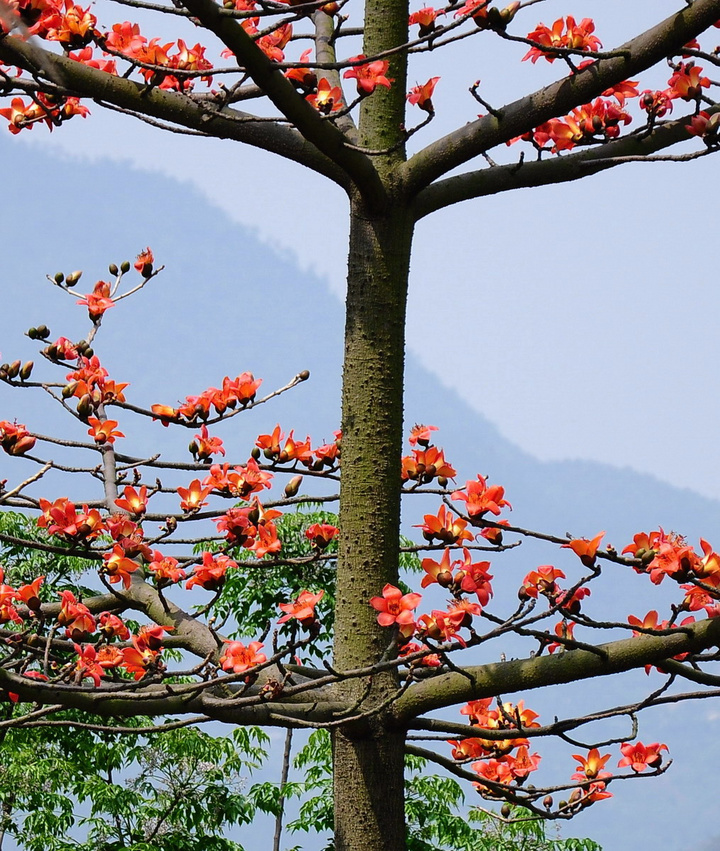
x=368, y=757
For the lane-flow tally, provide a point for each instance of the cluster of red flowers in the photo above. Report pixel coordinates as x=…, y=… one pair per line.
x=603, y=119
x=237, y=391
x=566, y=34
x=279, y=449
x=252, y=527
x=497, y=761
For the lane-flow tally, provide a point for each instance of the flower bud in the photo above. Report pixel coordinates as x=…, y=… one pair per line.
x=85, y=406
x=14, y=369
x=193, y=448
x=68, y=390
x=26, y=369
x=43, y=332
x=73, y=278
x=59, y=278
x=304, y=375
x=292, y=487
x=125, y=267
x=548, y=802
x=505, y=810
x=113, y=269
x=255, y=452
x=32, y=333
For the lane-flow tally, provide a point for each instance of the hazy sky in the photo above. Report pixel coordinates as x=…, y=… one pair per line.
x=580, y=319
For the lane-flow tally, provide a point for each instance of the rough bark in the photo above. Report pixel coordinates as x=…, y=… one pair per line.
x=369, y=814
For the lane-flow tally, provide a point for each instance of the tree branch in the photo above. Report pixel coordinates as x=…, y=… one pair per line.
x=173, y=107
x=525, y=674
x=559, y=98
x=559, y=169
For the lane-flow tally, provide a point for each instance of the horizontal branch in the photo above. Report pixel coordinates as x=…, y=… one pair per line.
x=559, y=169
x=559, y=98
x=172, y=107
x=482, y=681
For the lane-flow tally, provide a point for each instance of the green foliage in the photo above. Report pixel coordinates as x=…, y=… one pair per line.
x=22, y=564
x=183, y=789
x=177, y=790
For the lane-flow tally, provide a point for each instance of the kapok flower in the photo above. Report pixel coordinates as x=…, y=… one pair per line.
x=165, y=569
x=87, y=664
x=395, y=607
x=421, y=434
x=321, y=534
x=204, y=446
x=639, y=756
x=192, y=498
x=302, y=608
x=591, y=766
x=15, y=439
x=118, y=566
x=98, y=301
x=425, y=19
x=103, y=432
x=210, y=575
x=75, y=617
x=686, y=82
x=132, y=501
x=112, y=626
x=584, y=549
x=369, y=76
x=238, y=658
x=327, y=99
x=481, y=498
x=29, y=594
x=422, y=95
x=304, y=79
x=446, y=527
x=494, y=534
x=542, y=581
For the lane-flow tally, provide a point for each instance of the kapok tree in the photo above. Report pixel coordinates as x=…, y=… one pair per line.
x=347, y=114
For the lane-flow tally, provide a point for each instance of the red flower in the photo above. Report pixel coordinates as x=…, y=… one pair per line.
x=134, y=502
x=584, y=549
x=542, y=581
x=321, y=534
x=98, y=301
x=422, y=96
x=238, y=658
x=591, y=766
x=28, y=594
x=686, y=82
x=192, y=498
x=112, y=626
x=118, y=566
x=103, y=432
x=302, y=609
x=15, y=439
x=327, y=99
x=210, y=575
x=445, y=527
x=369, y=76
x=425, y=19
x=481, y=498
x=204, y=446
x=639, y=756
x=394, y=607
x=165, y=569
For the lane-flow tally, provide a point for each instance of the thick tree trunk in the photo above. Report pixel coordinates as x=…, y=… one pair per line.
x=368, y=757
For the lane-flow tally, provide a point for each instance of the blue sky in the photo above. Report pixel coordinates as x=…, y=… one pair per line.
x=579, y=319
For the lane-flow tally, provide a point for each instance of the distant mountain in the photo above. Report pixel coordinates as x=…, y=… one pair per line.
x=228, y=303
